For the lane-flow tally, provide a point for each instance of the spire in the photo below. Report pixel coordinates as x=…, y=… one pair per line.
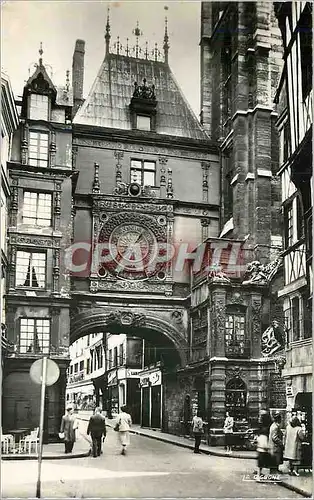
x=166, y=39
x=107, y=35
x=40, y=54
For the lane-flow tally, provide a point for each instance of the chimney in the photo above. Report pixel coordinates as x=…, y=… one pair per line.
x=78, y=75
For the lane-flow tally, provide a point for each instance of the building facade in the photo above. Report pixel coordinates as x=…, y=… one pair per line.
x=39, y=228
x=9, y=123
x=147, y=188
x=295, y=107
x=236, y=316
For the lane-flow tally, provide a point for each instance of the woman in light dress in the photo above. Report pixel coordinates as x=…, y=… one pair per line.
x=124, y=421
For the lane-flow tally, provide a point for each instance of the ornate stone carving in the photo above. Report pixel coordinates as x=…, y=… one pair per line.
x=126, y=318
x=123, y=189
x=96, y=183
x=169, y=184
x=217, y=274
x=118, y=155
x=177, y=316
x=144, y=91
x=205, y=168
x=261, y=274
x=234, y=372
x=236, y=298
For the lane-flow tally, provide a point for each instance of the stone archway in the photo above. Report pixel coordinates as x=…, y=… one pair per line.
x=122, y=320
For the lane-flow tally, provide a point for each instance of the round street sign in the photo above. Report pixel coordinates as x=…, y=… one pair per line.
x=36, y=371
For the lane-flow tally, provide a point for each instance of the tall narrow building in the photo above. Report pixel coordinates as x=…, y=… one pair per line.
x=39, y=229
x=236, y=317
x=295, y=123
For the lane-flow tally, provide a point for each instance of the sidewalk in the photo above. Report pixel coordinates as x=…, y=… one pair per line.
x=302, y=484
x=55, y=451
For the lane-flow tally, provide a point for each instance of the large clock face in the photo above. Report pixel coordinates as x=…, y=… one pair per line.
x=133, y=249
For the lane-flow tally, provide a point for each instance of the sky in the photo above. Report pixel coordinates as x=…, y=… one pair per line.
x=57, y=24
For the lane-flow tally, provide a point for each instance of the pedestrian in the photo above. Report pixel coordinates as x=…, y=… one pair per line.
x=97, y=429
x=123, y=424
x=198, y=430
x=262, y=448
x=275, y=444
x=68, y=427
x=228, y=432
x=293, y=444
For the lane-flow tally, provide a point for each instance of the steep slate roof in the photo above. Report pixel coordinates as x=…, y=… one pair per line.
x=107, y=104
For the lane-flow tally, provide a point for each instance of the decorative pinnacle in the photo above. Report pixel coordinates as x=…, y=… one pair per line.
x=40, y=54
x=107, y=35
x=166, y=39
x=67, y=85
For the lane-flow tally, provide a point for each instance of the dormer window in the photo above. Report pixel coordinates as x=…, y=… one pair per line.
x=38, y=107
x=143, y=122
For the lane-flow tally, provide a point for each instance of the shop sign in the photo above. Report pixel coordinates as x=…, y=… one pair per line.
x=151, y=379
x=133, y=373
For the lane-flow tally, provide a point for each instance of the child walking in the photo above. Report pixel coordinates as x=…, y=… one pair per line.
x=262, y=452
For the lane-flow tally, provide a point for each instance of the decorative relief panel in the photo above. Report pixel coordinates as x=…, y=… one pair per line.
x=147, y=149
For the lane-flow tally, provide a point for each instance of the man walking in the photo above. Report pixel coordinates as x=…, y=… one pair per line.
x=97, y=428
x=68, y=427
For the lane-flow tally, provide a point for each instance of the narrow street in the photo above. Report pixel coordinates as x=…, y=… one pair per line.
x=150, y=469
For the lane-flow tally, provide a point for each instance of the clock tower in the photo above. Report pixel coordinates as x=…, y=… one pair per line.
x=147, y=192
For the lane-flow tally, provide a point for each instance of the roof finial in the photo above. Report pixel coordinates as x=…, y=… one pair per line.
x=107, y=35
x=166, y=38
x=40, y=54
x=146, y=50
x=127, y=48
x=137, y=32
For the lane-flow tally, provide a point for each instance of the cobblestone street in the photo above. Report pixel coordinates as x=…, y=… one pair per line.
x=150, y=469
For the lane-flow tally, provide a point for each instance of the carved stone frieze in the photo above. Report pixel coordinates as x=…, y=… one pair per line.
x=34, y=240
x=236, y=298
x=131, y=286
x=260, y=274
x=139, y=148
x=130, y=206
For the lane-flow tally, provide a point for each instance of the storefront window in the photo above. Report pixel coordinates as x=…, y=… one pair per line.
x=236, y=396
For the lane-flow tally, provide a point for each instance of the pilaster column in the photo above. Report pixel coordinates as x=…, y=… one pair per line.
x=24, y=143
x=163, y=164
x=56, y=272
x=118, y=155
x=52, y=149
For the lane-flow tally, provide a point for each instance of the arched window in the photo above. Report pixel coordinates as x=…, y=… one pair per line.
x=236, y=398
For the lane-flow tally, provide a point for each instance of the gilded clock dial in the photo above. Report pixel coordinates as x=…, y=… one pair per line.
x=133, y=248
